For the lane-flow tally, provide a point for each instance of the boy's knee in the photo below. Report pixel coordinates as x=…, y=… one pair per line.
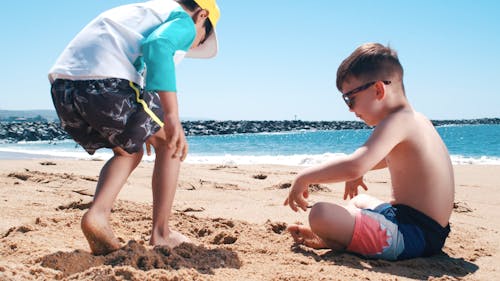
x=317, y=209
x=319, y=213
x=327, y=214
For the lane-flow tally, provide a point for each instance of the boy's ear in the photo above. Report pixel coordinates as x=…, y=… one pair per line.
x=380, y=87
x=201, y=16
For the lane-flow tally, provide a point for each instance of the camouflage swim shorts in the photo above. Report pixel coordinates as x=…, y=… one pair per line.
x=107, y=113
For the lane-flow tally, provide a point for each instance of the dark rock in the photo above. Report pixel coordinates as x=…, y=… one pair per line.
x=40, y=130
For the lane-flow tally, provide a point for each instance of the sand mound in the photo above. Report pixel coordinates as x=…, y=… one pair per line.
x=138, y=257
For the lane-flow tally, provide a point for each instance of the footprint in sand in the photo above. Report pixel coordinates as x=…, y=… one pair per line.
x=260, y=177
x=43, y=177
x=190, y=210
x=224, y=237
x=312, y=187
x=461, y=207
x=20, y=229
x=276, y=227
x=80, y=205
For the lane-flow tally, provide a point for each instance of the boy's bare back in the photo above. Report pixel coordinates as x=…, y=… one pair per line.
x=419, y=164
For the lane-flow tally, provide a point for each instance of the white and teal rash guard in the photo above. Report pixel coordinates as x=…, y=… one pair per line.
x=139, y=42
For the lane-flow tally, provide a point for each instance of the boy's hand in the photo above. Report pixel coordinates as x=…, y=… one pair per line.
x=351, y=187
x=176, y=138
x=174, y=133
x=296, y=198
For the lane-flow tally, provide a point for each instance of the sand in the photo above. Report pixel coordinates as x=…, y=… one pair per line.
x=235, y=217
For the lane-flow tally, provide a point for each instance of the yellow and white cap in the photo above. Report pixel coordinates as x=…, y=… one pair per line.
x=209, y=48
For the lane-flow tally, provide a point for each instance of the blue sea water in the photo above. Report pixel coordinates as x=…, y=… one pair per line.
x=467, y=144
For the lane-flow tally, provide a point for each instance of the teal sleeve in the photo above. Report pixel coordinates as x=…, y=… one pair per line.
x=158, y=49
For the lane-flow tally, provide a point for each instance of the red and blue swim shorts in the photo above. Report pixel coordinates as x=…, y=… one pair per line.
x=396, y=232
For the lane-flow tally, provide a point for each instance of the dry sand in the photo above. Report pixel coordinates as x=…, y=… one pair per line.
x=235, y=217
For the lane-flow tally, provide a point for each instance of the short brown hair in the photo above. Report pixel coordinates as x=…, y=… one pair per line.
x=370, y=62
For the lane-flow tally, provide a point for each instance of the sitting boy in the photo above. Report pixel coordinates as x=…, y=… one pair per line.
x=415, y=222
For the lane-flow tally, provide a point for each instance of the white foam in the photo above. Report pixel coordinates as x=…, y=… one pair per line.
x=289, y=160
x=60, y=153
x=312, y=159
x=483, y=160
x=227, y=159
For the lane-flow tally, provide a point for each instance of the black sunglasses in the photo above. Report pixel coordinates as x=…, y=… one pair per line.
x=348, y=97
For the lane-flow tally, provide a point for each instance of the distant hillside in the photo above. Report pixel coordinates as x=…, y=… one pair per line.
x=31, y=115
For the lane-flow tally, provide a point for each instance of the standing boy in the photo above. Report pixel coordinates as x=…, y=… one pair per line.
x=415, y=222
x=114, y=86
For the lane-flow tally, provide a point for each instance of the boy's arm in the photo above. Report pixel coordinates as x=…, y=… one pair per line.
x=172, y=124
x=351, y=186
x=158, y=52
x=384, y=138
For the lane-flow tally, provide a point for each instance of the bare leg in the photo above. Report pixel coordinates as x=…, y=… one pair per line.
x=165, y=176
x=95, y=222
x=332, y=227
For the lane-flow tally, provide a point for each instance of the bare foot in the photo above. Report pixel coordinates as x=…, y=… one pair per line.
x=99, y=234
x=304, y=235
x=173, y=239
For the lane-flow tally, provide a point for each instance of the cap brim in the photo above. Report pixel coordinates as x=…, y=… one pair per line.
x=206, y=50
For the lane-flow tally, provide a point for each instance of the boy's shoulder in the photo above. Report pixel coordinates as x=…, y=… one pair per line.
x=398, y=126
x=400, y=117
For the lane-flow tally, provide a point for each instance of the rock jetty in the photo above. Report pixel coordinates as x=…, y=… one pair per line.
x=51, y=131
x=31, y=131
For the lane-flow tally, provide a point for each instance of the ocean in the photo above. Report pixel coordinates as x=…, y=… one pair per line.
x=467, y=144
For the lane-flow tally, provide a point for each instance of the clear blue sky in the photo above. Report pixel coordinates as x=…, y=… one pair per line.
x=278, y=58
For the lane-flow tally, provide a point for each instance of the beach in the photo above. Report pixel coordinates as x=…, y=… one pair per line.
x=235, y=217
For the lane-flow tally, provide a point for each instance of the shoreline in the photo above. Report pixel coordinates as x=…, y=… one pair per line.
x=301, y=160
x=7, y=155
x=236, y=217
